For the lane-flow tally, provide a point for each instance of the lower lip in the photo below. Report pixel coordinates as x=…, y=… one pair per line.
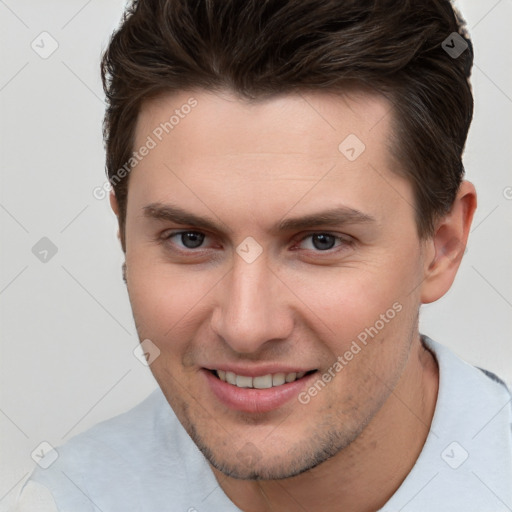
x=255, y=400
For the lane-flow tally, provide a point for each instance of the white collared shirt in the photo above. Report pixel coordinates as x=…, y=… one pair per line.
x=144, y=461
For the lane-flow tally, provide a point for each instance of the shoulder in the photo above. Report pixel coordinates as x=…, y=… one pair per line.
x=142, y=427
x=35, y=497
x=107, y=459
x=123, y=436
x=140, y=460
x=457, y=373
x=473, y=393
x=468, y=450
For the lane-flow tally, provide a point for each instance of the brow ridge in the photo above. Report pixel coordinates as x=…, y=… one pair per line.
x=336, y=216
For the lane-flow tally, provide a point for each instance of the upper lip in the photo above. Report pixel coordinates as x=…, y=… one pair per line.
x=258, y=371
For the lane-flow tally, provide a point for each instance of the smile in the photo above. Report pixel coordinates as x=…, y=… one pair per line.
x=262, y=382
x=267, y=389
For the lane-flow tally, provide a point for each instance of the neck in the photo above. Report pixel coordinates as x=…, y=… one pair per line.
x=363, y=476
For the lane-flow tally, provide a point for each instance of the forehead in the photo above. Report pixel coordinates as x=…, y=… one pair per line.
x=266, y=155
x=311, y=123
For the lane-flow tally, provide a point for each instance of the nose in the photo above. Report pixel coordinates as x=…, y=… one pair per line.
x=252, y=307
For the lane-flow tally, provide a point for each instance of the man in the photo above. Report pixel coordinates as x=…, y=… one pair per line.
x=288, y=183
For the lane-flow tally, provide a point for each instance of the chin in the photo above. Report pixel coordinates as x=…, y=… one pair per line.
x=252, y=462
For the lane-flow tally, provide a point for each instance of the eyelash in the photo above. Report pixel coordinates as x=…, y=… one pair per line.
x=344, y=241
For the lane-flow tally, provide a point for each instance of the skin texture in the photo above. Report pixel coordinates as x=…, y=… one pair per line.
x=248, y=166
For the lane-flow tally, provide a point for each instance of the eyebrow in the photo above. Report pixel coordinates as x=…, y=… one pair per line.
x=331, y=217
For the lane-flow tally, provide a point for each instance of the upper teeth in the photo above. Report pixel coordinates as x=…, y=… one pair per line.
x=262, y=382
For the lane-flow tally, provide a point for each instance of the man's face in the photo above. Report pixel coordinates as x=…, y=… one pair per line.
x=267, y=288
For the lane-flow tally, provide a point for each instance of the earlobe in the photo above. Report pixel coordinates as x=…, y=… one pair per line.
x=449, y=244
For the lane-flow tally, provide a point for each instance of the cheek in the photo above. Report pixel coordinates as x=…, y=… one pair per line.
x=349, y=299
x=165, y=299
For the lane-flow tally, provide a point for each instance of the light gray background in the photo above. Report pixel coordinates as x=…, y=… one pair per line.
x=67, y=333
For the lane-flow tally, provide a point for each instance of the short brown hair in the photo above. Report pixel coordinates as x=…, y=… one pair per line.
x=260, y=48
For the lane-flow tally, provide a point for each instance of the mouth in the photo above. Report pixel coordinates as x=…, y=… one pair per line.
x=257, y=393
x=270, y=380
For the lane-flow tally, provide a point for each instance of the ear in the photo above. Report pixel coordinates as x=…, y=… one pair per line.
x=113, y=203
x=448, y=244
x=115, y=208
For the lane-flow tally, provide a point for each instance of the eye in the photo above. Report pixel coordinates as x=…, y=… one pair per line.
x=323, y=241
x=186, y=239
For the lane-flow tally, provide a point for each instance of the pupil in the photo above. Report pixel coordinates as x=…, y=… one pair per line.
x=323, y=241
x=191, y=240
